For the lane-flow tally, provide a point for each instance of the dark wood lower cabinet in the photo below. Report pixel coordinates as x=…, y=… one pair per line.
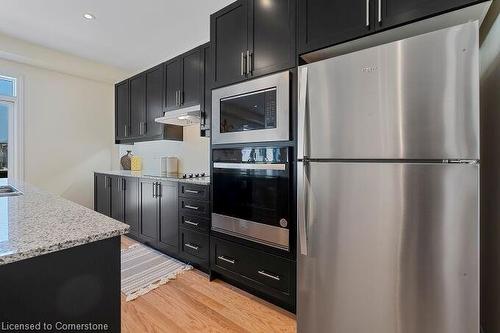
x=265, y=275
x=169, y=230
x=79, y=285
x=102, y=194
x=149, y=212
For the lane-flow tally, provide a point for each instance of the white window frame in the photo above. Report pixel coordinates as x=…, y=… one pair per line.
x=16, y=128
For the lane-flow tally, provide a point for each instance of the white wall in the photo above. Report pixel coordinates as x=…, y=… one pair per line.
x=193, y=152
x=69, y=129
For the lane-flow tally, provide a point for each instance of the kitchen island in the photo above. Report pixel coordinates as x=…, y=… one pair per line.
x=59, y=264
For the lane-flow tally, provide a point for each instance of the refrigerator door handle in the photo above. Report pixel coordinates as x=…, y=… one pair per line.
x=302, y=112
x=301, y=206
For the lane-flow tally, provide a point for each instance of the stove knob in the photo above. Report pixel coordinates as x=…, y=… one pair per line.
x=202, y=174
x=190, y=175
x=197, y=175
x=184, y=176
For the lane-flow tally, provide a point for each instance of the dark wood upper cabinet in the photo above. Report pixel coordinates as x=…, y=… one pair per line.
x=154, y=100
x=324, y=23
x=252, y=38
x=206, y=101
x=191, y=76
x=327, y=22
x=390, y=13
x=169, y=228
x=172, y=84
x=271, y=36
x=122, y=110
x=138, y=105
x=228, y=33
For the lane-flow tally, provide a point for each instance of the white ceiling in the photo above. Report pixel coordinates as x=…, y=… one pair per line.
x=129, y=34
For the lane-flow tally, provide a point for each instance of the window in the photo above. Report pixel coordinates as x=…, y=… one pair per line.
x=7, y=86
x=7, y=102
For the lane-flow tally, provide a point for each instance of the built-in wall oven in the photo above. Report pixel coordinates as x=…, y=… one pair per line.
x=251, y=194
x=252, y=111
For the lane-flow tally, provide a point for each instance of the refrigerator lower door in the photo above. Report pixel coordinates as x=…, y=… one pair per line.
x=417, y=98
x=390, y=248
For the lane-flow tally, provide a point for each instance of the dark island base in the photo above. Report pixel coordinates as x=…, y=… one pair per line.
x=80, y=285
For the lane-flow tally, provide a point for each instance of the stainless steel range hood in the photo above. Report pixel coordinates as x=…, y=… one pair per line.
x=181, y=117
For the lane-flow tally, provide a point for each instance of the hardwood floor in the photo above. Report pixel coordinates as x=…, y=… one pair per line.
x=191, y=303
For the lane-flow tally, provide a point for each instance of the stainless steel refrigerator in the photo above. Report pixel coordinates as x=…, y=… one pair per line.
x=388, y=188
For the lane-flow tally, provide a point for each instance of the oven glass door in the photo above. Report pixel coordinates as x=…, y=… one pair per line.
x=252, y=184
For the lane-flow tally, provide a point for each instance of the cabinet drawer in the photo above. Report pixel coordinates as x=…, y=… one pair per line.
x=193, y=222
x=194, y=191
x=194, y=207
x=262, y=268
x=194, y=245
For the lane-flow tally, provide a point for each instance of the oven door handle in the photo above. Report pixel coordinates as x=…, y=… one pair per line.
x=250, y=166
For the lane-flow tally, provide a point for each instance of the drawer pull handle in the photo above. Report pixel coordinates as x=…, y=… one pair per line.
x=274, y=277
x=191, y=191
x=191, y=207
x=192, y=223
x=226, y=260
x=193, y=247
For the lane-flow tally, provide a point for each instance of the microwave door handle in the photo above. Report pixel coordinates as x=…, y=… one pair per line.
x=301, y=206
x=302, y=112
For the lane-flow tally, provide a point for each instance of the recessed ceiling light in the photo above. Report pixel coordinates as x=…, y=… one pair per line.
x=88, y=16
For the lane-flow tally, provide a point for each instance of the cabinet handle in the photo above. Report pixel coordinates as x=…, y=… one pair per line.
x=231, y=261
x=105, y=182
x=379, y=11
x=191, y=223
x=126, y=131
x=271, y=276
x=177, y=98
x=124, y=184
x=193, y=247
x=158, y=190
x=192, y=191
x=154, y=190
x=242, y=63
x=191, y=207
x=367, y=13
x=249, y=62
x=181, y=97
x=141, y=128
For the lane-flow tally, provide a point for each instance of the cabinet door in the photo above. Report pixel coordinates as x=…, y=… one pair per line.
x=324, y=23
x=149, y=212
x=102, y=200
x=191, y=78
x=138, y=105
x=271, y=35
x=172, y=84
x=228, y=33
x=206, y=105
x=154, y=100
x=395, y=12
x=131, y=192
x=122, y=110
x=117, y=199
x=169, y=225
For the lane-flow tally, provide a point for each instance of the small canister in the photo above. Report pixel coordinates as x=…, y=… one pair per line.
x=135, y=163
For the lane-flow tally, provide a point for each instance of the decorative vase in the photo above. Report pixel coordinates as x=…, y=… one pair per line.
x=125, y=161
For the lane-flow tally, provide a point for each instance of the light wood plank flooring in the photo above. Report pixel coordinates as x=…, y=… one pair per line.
x=191, y=303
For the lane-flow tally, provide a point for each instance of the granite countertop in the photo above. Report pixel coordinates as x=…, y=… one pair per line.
x=39, y=222
x=148, y=175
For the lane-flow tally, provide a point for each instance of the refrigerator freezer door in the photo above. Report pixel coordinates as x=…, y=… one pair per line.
x=391, y=248
x=413, y=99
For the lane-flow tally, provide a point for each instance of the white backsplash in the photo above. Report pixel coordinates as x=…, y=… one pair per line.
x=193, y=153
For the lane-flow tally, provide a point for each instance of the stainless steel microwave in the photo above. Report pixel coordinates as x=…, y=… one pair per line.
x=252, y=111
